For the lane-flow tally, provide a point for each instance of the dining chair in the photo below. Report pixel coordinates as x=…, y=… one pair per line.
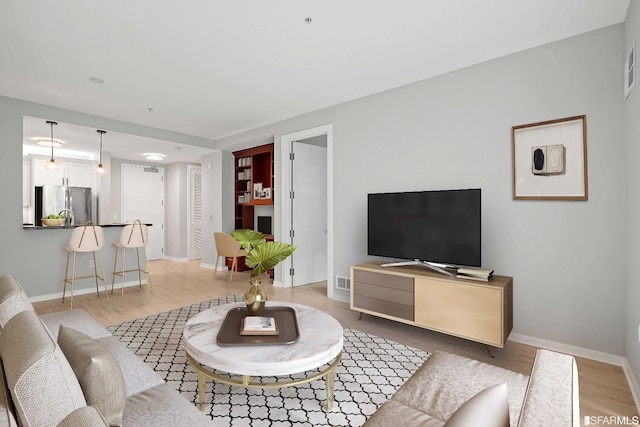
x=227, y=246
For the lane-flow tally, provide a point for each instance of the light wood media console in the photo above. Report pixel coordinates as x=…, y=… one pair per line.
x=470, y=309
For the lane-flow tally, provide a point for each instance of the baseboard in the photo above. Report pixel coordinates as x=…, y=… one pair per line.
x=84, y=291
x=599, y=356
x=213, y=267
x=171, y=258
x=633, y=384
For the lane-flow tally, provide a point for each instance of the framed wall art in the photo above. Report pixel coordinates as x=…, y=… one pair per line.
x=550, y=160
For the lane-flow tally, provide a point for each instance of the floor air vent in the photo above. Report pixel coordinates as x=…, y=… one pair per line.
x=343, y=283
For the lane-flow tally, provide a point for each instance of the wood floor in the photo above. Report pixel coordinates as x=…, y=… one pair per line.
x=604, y=390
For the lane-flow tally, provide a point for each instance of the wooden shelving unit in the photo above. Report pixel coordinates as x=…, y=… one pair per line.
x=253, y=166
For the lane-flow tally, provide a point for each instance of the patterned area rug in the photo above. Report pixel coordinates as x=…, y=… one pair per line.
x=372, y=369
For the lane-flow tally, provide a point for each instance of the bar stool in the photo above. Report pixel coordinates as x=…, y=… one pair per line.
x=132, y=236
x=86, y=238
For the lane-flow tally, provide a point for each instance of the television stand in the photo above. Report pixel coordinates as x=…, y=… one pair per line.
x=474, y=310
x=421, y=263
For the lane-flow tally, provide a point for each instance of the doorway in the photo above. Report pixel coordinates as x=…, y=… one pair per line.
x=306, y=190
x=143, y=199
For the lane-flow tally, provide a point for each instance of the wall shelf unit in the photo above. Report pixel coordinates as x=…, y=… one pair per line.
x=253, y=183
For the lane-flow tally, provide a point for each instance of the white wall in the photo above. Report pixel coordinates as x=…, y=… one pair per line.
x=568, y=259
x=217, y=200
x=632, y=112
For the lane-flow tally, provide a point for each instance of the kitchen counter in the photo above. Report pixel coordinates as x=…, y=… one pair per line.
x=64, y=227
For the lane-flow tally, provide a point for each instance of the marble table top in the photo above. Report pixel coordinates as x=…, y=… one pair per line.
x=319, y=343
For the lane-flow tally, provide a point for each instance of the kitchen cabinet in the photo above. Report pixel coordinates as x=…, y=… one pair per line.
x=76, y=173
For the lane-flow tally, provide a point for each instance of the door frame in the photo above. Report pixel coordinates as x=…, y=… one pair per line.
x=285, y=201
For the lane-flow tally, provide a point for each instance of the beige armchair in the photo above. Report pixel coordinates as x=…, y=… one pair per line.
x=227, y=246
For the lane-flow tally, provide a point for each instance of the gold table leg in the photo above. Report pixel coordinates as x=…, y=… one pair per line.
x=204, y=373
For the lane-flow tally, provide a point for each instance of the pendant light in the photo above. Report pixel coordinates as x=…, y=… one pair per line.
x=52, y=164
x=100, y=169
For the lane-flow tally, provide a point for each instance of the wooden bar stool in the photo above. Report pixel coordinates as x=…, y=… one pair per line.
x=87, y=238
x=132, y=236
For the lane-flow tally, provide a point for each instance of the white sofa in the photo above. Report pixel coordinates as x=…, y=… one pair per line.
x=84, y=377
x=454, y=391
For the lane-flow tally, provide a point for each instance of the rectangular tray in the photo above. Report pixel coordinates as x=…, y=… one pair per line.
x=229, y=334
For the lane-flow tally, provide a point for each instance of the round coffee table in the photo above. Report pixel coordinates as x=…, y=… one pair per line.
x=320, y=343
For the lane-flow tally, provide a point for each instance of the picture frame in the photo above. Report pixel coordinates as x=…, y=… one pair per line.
x=549, y=160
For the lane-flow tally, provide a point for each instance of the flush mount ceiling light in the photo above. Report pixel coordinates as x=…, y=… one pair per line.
x=96, y=80
x=46, y=142
x=100, y=169
x=52, y=164
x=154, y=156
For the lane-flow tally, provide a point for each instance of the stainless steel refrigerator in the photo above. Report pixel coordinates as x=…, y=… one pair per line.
x=53, y=199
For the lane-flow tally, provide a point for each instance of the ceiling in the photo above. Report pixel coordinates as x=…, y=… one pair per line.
x=80, y=142
x=212, y=68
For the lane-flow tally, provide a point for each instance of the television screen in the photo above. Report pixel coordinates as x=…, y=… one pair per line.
x=435, y=226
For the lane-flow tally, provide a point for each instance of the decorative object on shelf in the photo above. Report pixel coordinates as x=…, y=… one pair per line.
x=100, y=169
x=550, y=160
x=262, y=256
x=52, y=164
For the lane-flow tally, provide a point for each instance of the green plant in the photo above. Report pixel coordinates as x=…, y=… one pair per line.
x=262, y=256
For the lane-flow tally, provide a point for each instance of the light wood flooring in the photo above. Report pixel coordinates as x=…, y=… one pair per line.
x=604, y=390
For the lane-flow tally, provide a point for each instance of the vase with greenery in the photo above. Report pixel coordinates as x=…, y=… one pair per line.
x=261, y=257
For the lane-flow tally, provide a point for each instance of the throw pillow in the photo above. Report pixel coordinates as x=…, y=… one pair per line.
x=98, y=373
x=489, y=408
x=43, y=386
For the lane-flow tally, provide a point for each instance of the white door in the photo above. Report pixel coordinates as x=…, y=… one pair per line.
x=194, y=233
x=143, y=199
x=309, y=213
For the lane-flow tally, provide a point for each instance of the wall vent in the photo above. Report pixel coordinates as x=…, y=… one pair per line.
x=343, y=283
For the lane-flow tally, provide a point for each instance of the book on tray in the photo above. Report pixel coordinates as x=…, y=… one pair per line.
x=472, y=273
x=258, y=325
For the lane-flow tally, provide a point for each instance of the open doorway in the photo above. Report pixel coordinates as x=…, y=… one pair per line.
x=306, y=219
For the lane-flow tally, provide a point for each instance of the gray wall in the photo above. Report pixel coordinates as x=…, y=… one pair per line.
x=36, y=258
x=632, y=112
x=568, y=259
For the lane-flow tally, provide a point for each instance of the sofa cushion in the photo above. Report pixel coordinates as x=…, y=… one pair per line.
x=98, y=373
x=7, y=417
x=162, y=406
x=77, y=319
x=87, y=416
x=138, y=376
x=446, y=381
x=392, y=413
x=552, y=396
x=42, y=384
x=489, y=408
x=13, y=300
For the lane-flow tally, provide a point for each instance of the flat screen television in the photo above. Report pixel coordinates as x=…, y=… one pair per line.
x=440, y=227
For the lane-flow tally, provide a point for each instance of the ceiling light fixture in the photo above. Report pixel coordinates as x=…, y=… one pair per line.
x=100, y=169
x=46, y=142
x=96, y=80
x=154, y=156
x=51, y=164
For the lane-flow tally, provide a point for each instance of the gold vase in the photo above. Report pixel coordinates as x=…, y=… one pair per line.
x=255, y=297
